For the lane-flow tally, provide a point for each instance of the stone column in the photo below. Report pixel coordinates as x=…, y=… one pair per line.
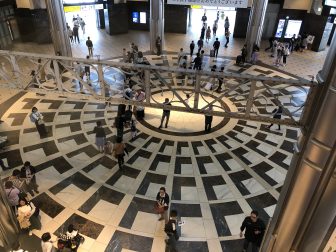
x=304, y=218
x=156, y=23
x=190, y=16
x=58, y=28
x=9, y=231
x=255, y=25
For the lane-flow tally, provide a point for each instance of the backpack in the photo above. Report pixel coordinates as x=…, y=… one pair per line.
x=169, y=229
x=31, y=117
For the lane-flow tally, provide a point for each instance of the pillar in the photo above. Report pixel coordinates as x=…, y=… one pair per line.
x=189, y=16
x=304, y=218
x=156, y=23
x=9, y=232
x=255, y=25
x=58, y=28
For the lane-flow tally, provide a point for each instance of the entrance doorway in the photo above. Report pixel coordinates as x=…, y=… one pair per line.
x=196, y=23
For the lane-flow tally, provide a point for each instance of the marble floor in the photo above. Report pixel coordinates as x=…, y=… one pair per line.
x=214, y=179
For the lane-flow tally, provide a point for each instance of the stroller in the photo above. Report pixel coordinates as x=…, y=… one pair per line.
x=68, y=244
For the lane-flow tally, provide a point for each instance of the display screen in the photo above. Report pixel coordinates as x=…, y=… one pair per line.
x=293, y=27
x=330, y=3
x=280, y=28
x=135, y=17
x=143, y=18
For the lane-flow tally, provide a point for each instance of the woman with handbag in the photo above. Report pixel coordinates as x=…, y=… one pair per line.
x=162, y=203
x=12, y=194
x=28, y=216
x=37, y=118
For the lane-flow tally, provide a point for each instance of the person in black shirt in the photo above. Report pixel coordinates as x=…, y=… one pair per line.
x=166, y=113
x=162, y=201
x=100, y=136
x=171, y=231
x=254, y=231
x=89, y=45
x=192, y=47
x=200, y=44
x=216, y=46
x=277, y=115
x=198, y=62
x=28, y=173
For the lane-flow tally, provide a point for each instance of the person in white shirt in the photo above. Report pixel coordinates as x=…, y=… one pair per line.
x=46, y=243
x=28, y=216
x=16, y=248
x=37, y=118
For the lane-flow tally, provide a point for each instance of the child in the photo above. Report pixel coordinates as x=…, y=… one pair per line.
x=133, y=129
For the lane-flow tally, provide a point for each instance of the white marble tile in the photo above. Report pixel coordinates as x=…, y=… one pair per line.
x=152, y=190
x=211, y=168
x=103, y=210
x=70, y=194
x=276, y=175
x=100, y=173
x=223, y=192
x=233, y=144
x=270, y=210
x=152, y=146
x=189, y=193
x=193, y=227
x=162, y=167
x=140, y=162
x=234, y=222
x=218, y=147
x=124, y=183
x=253, y=185
x=202, y=150
x=48, y=178
x=233, y=164
x=252, y=156
x=288, y=160
x=168, y=149
x=185, y=151
x=265, y=148
x=272, y=138
x=145, y=222
x=187, y=169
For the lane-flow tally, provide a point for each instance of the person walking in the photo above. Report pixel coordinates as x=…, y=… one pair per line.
x=254, y=231
x=133, y=129
x=28, y=173
x=216, y=46
x=179, y=56
x=214, y=28
x=270, y=41
x=192, y=47
x=208, y=119
x=37, y=118
x=165, y=113
x=100, y=136
x=220, y=81
x=277, y=112
x=87, y=71
x=286, y=52
x=119, y=151
x=89, y=45
x=171, y=231
x=244, y=54
x=197, y=62
x=82, y=25
x=208, y=34
x=162, y=204
x=279, y=56
x=75, y=33
x=158, y=44
x=70, y=34
x=227, y=37
x=200, y=44
x=227, y=24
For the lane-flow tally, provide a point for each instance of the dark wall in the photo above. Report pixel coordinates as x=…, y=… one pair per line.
x=138, y=7
x=117, y=19
x=33, y=25
x=292, y=14
x=242, y=19
x=176, y=18
x=101, y=19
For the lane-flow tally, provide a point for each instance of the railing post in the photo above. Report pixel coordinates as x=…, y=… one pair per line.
x=147, y=86
x=58, y=77
x=197, y=90
x=101, y=81
x=250, y=97
x=16, y=71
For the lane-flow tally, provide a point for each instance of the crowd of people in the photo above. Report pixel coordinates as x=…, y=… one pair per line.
x=73, y=33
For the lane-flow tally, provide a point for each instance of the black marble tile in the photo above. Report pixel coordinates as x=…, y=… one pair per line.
x=18, y=118
x=75, y=126
x=222, y=140
x=129, y=147
x=150, y=178
x=287, y=146
x=260, y=202
x=262, y=137
x=30, y=103
x=210, y=143
x=152, y=140
x=239, y=176
x=98, y=105
x=137, y=205
x=209, y=183
x=121, y=240
x=201, y=161
x=232, y=245
x=59, y=163
x=97, y=114
x=221, y=159
x=88, y=150
x=253, y=146
x=7, y=104
x=195, y=145
x=103, y=193
x=79, y=138
x=178, y=163
x=261, y=170
x=233, y=135
x=48, y=116
x=244, y=123
x=85, y=227
x=31, y=130
x=73, y=115
x=126, y=171
x=178, y=183
x=49, y=206
x=187, y=210
x=13, y=136
x=166, y=143
x=77, y=179
x=278, y=159
x=159, y=158
x=77, y=104
x=139, y=153
x=105, y=161
x=292, y=134
x=49, y=148
x=192, y=246
x=219, y=211
x=54, y=104
x=240, y=129
x=239, y=152
x=179, y=147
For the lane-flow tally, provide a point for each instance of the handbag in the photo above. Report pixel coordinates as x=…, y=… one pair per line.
x=157, y=209
x=40, y=122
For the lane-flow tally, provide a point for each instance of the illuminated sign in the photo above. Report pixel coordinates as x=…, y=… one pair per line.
x=78, y=8
x=135, y=17
x=196, y=6
x=72, y=8
x=143, y=19
x=217, y=3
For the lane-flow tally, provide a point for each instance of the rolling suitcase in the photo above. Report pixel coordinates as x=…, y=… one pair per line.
x=212, y=53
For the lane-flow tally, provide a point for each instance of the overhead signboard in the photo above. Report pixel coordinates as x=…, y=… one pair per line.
x=218, y=3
